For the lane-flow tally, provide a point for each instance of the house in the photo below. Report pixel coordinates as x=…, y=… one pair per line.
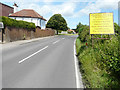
x=29, y=15
x=5, y=10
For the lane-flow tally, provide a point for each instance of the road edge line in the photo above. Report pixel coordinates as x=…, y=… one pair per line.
x=79, y=83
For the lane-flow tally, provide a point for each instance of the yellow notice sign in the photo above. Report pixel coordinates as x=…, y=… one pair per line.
x=101, y=23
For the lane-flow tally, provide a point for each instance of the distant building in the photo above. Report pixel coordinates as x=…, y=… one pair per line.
x=70, y=30
x=5, y=10
x=29, y=15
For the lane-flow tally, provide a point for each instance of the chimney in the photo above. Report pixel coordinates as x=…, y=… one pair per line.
x=15, y=7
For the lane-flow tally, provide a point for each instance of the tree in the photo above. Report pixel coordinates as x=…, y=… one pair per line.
x=78, y=27
x=57, y=22
x=116, y=27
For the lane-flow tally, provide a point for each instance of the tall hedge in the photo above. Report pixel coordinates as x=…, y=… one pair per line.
x=105, y=55
x=17, y=23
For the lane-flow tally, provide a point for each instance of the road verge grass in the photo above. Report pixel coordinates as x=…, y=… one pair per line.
x=93, y=75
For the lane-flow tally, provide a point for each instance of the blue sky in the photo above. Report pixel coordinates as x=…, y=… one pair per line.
x=74, y=11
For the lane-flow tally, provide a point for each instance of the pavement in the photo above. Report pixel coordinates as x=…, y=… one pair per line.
x=7, y=45
x=41, y=63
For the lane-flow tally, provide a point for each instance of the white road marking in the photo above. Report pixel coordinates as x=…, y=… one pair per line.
x=79, y=83
x=56, y=41
x=32, y=55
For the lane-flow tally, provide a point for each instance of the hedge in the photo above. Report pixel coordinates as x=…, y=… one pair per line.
x=102, y=60
x=71, y=32
x=17, y=23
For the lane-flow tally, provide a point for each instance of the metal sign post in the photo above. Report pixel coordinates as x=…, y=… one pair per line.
x=92, y=40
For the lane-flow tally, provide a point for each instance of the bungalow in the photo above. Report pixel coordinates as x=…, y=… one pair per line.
x=29, y=15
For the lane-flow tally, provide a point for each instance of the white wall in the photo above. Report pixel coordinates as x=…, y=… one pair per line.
x=34, y=20
x=17, y=18
x=12, y=17
x=27, y=19
x=43, y=26
x=37, y=21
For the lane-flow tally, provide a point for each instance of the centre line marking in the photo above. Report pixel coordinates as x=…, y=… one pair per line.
x=56, y=41
x=32, y=55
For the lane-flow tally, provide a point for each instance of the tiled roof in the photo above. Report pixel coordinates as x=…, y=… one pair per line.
x=70, y=30
x=27, y=13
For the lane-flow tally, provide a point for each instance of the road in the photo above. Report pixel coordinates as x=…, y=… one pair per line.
x=45, y=63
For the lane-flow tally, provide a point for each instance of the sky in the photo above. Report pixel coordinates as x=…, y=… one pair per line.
x=74, y=11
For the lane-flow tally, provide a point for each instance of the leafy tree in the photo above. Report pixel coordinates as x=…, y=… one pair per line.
x=57, y=22
x=79, y=26
x=116, y=27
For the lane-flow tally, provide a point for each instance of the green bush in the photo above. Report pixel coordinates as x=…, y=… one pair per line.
x=59, y=31
x=100, y=64
x=71, y=32
x=17, y=23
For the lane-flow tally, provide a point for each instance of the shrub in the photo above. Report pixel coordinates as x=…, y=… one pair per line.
x=71, y=32
x=17, y=23
x=59, y=31
x=102, y=61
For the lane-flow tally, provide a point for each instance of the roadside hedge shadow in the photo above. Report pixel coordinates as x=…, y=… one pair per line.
x=81, y=50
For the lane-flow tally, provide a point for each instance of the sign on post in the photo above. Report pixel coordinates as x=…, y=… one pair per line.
x=1, y=32
x=101, y=23
x=1, y=25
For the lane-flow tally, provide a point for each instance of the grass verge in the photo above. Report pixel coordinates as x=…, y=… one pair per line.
x=93, y=75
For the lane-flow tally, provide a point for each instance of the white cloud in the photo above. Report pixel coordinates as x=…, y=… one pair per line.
x=119, y=5
x=91, y=8
x=107, y=4
x=97, y=7
x=49, y=1
x=66, y=8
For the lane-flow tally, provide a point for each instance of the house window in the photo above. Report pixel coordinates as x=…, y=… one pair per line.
x=40, y=22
